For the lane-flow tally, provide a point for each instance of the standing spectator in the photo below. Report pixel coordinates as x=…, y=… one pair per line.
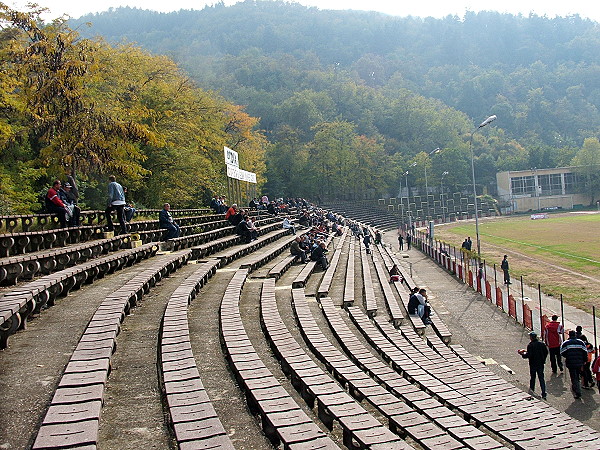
x=596, y=371
x=586, y=370
x=165, y=221
x=536, y=353
x=553, y=337
x=367, y=241
x=575, y=353
x=377, y=237
x=408, y=241
x=400, y=242
x=116, y=202
x=297, y=250
x=505, y=268
x=54, y=205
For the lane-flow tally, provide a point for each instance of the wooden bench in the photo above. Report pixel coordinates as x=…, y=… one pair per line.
x=262, y=258
x=193, y=417
x=33, y=241
x=280, y=268
x=325, y=285
x=387, y=391
x=349, y=295
x=391, y=302
x=485, y=399
x=17, y=305
x=283, y=420
x=14, y=268
x=73, y=417
x=367, y=279
x=360, y=429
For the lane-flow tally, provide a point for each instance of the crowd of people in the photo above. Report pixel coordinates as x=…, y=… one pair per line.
x=577, y=352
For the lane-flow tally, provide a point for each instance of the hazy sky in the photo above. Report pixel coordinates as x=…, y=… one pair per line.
x=434, y=8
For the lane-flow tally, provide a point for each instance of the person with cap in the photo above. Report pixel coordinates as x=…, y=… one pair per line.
x=70, y=202
x=536, y=353
x=575, y=353
x=553, y=337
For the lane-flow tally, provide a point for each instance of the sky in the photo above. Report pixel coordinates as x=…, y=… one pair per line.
x=425, y=8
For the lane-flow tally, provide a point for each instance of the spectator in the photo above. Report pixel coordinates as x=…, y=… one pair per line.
x=116, y=202
x=129, y=208
x=287, y=225
x=505, y=268
x=553, y=337
x=251, y=227
x=253, y=204
x=377, y=237
x=54, y=205
x=214, y=205
x=596, y=371
x=575, y=353
x=586, y=370
x=536, y=353
x=423, y=307
x=408, y=241
x=73, y=211
x=242, y=230
x=318, y=255
x=165, y=221
x=297, y=250
x=367, y=241
x=400, y=242
x=413, y=301
x=394, y=273
x=231, y=213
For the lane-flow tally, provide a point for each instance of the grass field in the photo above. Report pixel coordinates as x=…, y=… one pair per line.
x=562, y=253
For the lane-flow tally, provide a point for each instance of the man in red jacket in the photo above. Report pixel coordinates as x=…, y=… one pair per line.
x=553, y=337
x=54, y=204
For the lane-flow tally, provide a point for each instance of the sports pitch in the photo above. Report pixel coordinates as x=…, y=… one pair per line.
x=562, y=252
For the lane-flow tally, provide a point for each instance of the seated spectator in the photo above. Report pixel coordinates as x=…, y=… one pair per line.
x=318, y=255
x=242, y=230
x=54, y=205
x=413, y=301
x=287, y=225
x=165, y=220
x=394, y=273
x=129, y=209
x=423, y=309
x=251, y=227
x=232, y=211
x=272, y=208
x=297, y=250
x=73, y=211
x=253, y=203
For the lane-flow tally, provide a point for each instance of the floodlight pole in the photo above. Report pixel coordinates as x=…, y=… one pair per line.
x=483, y=124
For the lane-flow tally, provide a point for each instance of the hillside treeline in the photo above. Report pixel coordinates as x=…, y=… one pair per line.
x=393, y=88
x=80, y=107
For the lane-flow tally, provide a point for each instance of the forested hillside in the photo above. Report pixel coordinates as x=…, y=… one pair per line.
x=78, y=107
x=394, y=88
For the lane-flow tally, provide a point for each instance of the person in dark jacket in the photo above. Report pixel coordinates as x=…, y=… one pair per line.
x=318, y=255
x=297, y=250
x=243, y=230
x=575, y=353
x=505, y=269
x=536, y=353
x=165, y=220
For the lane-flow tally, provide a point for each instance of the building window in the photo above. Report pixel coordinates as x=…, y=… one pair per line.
x=572, y=183
x=522, y=185
x=550, y=184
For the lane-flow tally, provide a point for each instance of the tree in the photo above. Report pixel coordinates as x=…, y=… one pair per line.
x=587, y=164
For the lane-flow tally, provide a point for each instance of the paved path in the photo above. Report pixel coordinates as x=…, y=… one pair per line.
x=487, y=332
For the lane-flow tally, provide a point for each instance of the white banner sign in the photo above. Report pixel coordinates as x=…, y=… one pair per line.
x=239, y=174
x=231, y=157
x=539, y=216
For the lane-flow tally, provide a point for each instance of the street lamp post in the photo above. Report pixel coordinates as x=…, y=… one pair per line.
x=442, y=195
x=436, y=150
x=481, y=125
